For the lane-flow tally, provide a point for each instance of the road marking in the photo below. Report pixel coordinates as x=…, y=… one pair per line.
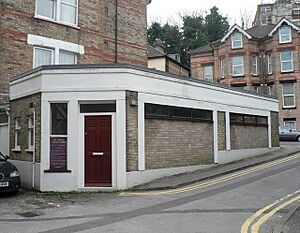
x=255, y=228
x=214, y=181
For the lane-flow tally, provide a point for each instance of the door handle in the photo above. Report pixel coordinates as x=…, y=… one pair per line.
x=98, y=153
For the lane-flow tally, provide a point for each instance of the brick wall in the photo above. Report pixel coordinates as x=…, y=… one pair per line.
x=248, y=137
x=20, y=108
x=221, y=131
x=131, y=132
x=275, y=129
x=96, y=33
x=177, y=143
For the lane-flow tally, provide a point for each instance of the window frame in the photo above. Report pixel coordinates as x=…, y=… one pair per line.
x=270, y=63
x=55, y=55
x=222, y=68
x=17, y=129
x=170, y=109
x=254, y=65
x=57, y=13
x=281, y=35
x=242, y=120
x=233, y=41
x=205, y=67
x=31, y=130
x=290, y=121
x=289, y=95
x=292, y=61
x=265, y=9
x=234, y=66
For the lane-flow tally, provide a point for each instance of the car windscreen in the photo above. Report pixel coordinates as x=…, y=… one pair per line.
x=2, y=158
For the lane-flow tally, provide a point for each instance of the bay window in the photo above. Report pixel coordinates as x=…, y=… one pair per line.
x=238, y=66
x=286, y=60
x=270, y=64
x=222, y=68
x=31, y=133
x=254, y=65
x=208, y=73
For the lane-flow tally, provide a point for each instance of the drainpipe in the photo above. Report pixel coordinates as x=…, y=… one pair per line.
x=116, y=31
x=33, y=155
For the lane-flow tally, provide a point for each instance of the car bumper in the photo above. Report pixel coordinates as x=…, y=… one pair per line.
x=14, y=185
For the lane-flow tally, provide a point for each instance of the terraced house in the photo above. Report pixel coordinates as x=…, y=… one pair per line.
x=45, y=32
x=264, y=59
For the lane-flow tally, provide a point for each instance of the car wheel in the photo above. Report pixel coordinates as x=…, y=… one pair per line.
x=298, y=138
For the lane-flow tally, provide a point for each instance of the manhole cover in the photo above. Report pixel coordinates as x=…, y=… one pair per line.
x=30, y=214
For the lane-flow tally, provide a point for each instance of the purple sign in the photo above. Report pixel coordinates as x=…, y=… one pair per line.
x=58, y=153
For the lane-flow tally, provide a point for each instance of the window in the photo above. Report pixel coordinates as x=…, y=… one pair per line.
x=208, y=73
x=265, y=9
x=271, y=90
x=266, y=19
x=288, y=95
x=252, y=120
x=286, y=60
x=67, y=58
x=64, y=11
x=285, y=34
x=270, y=64
x=254, y=65
x=222, y=68
x=59, y=119
x=289, y=124
x=237, y=40
x=238, y=66
x=177, y=113
x=45, y=56
x=17, y=134
x=31, y=133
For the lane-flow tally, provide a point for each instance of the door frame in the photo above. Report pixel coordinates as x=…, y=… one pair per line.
x=113, y=149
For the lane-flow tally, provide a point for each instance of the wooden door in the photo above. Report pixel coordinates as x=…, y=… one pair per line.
x=98, y=152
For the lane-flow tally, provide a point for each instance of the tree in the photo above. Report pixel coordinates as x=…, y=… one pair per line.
x=197, y=30
x=246, y=19
x=216, y=25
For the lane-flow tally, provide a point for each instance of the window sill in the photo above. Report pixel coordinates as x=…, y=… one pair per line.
x=18, y=150
x=238, y=76
x=289, y=108
x=287, y=72
x=29, y=150
x=57, y=171
x=234, y=48
x=55, y=21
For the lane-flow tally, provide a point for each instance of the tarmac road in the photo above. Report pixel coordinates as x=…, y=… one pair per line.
x=261, y=199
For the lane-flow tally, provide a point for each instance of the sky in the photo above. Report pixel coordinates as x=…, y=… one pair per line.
x=167, y=10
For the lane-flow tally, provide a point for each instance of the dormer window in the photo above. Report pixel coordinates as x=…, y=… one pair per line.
x=237, y=40
x=285, y=35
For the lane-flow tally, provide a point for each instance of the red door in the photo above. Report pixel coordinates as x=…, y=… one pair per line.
x=98, y=164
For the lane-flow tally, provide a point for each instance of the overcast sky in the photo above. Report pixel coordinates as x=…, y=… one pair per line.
x=163, y=10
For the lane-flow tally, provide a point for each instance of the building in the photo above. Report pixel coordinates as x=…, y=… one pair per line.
x=44, y=32
x=160, y=60
x=272, y=13
x=261, y=59
x=107, y=127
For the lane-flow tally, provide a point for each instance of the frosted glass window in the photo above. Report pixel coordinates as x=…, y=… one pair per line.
x=43, y=56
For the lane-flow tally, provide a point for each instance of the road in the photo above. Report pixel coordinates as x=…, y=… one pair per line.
x=257, y=199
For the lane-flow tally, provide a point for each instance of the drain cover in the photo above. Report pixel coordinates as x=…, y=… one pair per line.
x=29, y=214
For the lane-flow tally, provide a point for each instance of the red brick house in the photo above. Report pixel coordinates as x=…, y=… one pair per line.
x=46, y=32
x=261, y=59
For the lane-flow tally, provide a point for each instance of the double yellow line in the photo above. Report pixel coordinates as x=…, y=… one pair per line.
x=214, y=181
x=267, y=212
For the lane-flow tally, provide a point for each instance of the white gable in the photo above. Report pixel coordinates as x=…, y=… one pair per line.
x=238, y=28
x=284, y=20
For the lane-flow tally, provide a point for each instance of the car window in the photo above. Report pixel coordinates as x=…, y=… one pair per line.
x=2, y=158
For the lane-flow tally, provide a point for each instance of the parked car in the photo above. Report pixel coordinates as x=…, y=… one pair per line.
x=9, y=176
x=286, y=134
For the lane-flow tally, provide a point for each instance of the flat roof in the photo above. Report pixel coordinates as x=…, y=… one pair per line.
x=133, y=67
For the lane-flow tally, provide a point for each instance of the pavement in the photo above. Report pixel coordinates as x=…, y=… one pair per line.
x=209, y=172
